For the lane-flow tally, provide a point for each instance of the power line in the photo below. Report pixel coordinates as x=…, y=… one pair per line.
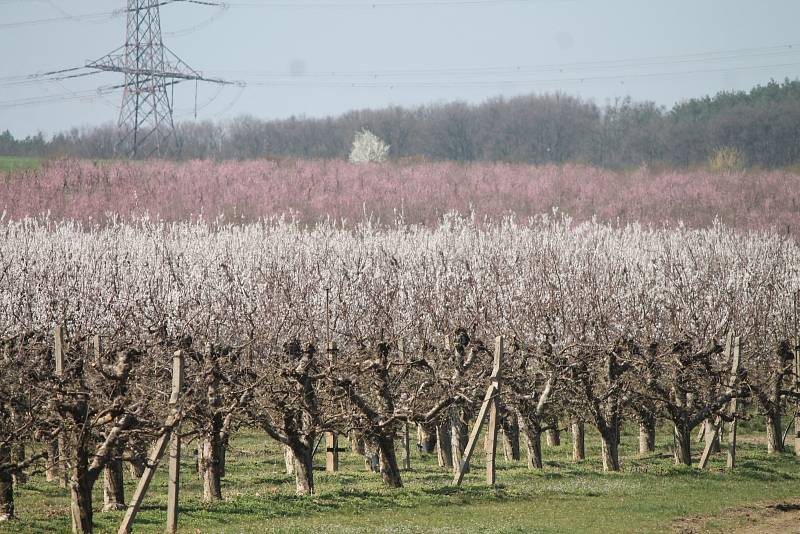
x=646, y=61
x=90, y=17
x=651, y=61
x=403, y=84
x=88, y=96
x=49, y=79
x=391, y=4
x=507, y=82
x=104, y=16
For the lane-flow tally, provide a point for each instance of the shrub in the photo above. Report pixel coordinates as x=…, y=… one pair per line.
x=726, y=159
x=368, y=147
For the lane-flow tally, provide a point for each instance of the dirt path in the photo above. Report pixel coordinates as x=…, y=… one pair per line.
x=765, y=518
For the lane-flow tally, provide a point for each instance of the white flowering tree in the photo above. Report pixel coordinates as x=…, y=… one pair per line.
x=368, y=147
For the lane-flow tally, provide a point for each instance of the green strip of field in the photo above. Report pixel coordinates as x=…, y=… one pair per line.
x=648, y=496
x=13, y=163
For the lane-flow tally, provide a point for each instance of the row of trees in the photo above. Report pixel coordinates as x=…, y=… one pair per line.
x=760, y=124
x=299, y=331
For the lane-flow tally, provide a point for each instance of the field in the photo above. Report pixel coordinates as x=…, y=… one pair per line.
x=10, y=163
x=208, y=301
x=311, y=191
x=649, y=495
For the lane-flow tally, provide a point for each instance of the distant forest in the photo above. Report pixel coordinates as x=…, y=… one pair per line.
x=763, y=125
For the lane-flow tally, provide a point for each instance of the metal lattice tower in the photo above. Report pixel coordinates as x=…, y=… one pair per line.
x=151, y=72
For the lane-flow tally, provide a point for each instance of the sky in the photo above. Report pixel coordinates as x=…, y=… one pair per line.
x=317, y=58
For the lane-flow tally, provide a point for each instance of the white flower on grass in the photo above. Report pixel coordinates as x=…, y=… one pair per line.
x=368, y=147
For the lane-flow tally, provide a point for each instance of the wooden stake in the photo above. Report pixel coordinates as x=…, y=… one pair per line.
x=401, y=348
x=331, y=353
x=155, y=456
x=97, y=347
x=406, y=448
x=734, y=405
x=797, y=389
x=332, y=454
x=717, y=426
x=473, y=437
x=173, y=489
x=491, y=392
x=61, y=466
x=494, y=404
x=58, y=350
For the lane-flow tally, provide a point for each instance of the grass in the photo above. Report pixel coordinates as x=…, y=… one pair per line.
x=647, y=496
x=13, y=163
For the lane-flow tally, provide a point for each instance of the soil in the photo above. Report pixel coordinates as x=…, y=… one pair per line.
x=765, y=518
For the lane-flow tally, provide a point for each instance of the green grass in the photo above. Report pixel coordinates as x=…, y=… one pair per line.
x=647, y=496
x=13, y=163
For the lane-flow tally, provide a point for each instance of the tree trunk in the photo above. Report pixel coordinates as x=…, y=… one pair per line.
x=18, y=455
x=6, y=488
x=113, y=487
x=199, y=462
x=80, y=489
x=578, y=441
x=64, y=466
x=459, y=435
x=371, y=457
x=303, y=469
x=390, y=471
x=444, y=450
x=210, y=465
x=610, y=450
x=288, y=460
x=222, y=455
x=533, y=442
x=511, y=437
x=426, y=439
x=52, y=462
x=356, y=443
x=554, y=435
x=774, y=432
x=81, y=506
x=647, y=436
x=136, y=463
x=683, y=445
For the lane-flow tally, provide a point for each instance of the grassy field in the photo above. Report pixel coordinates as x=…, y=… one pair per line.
x=12, y=163
x=648, y=496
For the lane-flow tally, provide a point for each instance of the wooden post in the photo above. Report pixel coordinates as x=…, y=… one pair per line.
x=60, y=466
x=97, y=347
x=473, y=437
x=331, y=438
x=406, y=448
x=332, y=453
x=797, y=390
x=173, y=489
x=490, y=396
x=734, y=405
x=401, y=348
x=494, y=404
x=155, y=456
x=331, y=352
x=58, y=350
x=716, y=427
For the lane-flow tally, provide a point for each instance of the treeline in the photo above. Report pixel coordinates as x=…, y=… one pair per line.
x=762, y=126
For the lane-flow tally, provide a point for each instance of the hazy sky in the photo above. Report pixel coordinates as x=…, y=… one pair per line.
x=324, y=57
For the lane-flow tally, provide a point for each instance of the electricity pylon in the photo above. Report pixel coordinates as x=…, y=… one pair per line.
x=151, y=72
